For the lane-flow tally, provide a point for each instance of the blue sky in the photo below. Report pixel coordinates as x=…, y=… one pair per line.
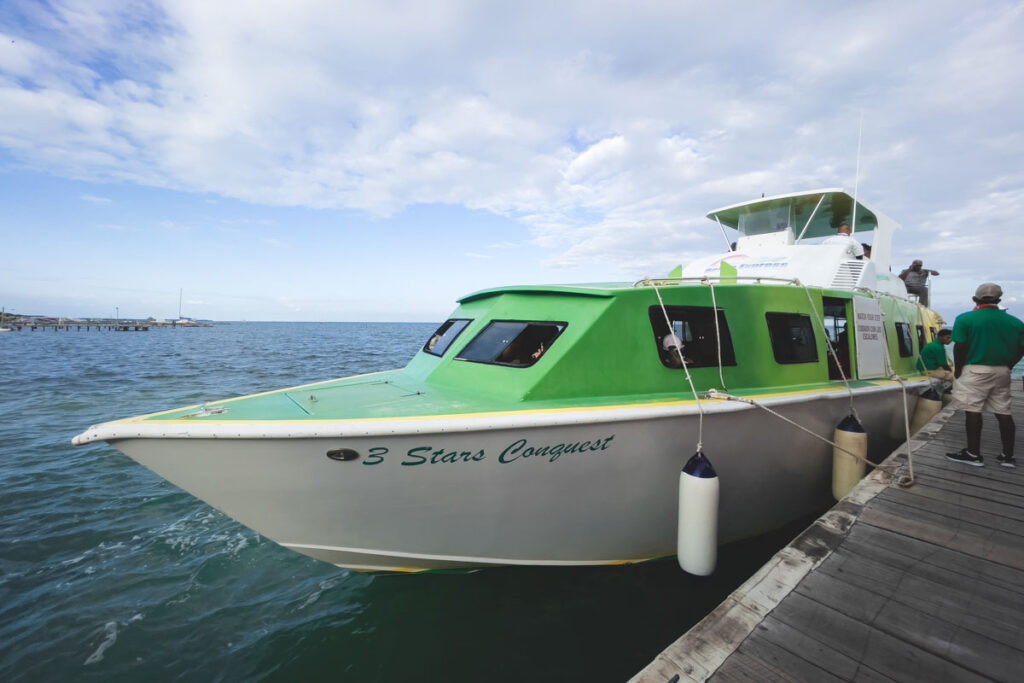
x=327, y=160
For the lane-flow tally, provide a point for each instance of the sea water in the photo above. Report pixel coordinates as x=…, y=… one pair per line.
x=109, y=573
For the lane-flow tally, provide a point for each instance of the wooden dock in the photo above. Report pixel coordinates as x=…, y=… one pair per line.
x=924, y=583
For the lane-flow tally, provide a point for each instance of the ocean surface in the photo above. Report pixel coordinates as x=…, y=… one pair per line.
x=109, y=573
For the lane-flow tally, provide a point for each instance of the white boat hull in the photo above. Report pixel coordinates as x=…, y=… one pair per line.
x=598, y=486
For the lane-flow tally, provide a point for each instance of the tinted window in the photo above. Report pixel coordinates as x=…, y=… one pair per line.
x=906, y=344
x=512, y=342
x=920, y=337
x=695, y=328
x=792, y=338
x=444, y=336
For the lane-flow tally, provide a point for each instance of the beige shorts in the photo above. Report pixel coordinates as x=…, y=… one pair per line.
x=983, y=389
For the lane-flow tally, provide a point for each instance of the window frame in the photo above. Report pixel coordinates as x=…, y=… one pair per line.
x=904, y=340
x=678, y=314
x=806, y=323
x=528, y=361
x=441, y=331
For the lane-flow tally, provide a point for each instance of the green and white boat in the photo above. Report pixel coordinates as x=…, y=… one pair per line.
x=547, y=425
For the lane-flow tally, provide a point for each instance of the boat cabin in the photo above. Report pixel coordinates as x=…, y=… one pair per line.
x=786, y=236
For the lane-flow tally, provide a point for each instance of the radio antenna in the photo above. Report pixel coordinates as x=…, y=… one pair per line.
x=856, y=175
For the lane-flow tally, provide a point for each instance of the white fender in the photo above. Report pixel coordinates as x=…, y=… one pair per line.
x=697, y=534
x=847, y=470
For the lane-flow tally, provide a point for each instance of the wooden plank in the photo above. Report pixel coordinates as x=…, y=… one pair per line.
x=995, y=474
x=938, y=636
x=796, y=668
x=969, y=650
x=941, y=566
x=938, y=449
x=741, y=666
x=984, y=541
x=971, y=602
x=782, y=635
x=1004, y=489
x=881, y=651
x=871, y=540
x=964, y=497
x=995, y=547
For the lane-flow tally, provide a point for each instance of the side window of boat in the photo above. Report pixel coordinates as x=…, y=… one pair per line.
x=920, y=337
x=445, y=335
x=514, y=343
x=934, y=331
x=792, y=338
x=695, y=328
x=906, y=343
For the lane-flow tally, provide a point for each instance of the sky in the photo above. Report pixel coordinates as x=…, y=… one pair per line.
x=342, y=160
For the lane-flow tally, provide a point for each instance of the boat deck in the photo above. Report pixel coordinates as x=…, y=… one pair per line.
x=924, y=583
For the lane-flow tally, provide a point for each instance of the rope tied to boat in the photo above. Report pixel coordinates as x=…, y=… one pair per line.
x=908, y=481
x=831, y=348
x=686, y=369
x=712, y=394
x=718, y=336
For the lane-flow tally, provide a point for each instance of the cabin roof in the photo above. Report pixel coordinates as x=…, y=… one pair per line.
x=599, y=289
x=814, y=213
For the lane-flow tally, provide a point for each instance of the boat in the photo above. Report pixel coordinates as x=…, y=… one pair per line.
x=547, y=425
x=2, y=328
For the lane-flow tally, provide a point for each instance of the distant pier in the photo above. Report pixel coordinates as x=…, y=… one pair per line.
x=924, y=583
x=58, y=325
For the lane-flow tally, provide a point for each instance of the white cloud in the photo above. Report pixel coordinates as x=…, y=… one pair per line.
x=93, y=199
x=607, y=131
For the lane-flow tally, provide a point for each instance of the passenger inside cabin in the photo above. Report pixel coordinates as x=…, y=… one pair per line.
x=934, y=358
x=672, y=351
x=844, y=236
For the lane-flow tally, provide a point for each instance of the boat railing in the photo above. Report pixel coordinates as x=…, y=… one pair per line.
x=663, y=281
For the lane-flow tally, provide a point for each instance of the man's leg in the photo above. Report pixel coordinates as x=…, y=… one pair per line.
x=1007, y=432
x=972, y=421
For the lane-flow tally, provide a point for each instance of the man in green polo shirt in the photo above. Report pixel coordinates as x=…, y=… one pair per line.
x=988, y=342
x=934, y=359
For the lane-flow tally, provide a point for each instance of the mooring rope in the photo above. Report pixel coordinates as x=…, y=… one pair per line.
x=682, y=359
x=831, y=349
x=729, y=397
x=718, y=336
x=903, y=482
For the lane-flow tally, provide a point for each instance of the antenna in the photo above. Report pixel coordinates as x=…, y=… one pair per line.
x=856, y=176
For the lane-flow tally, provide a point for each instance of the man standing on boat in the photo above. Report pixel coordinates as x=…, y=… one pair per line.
x=916, y=279
x=988, y=342
x=845, y=236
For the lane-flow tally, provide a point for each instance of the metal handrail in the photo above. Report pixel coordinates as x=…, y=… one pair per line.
x=705, y=278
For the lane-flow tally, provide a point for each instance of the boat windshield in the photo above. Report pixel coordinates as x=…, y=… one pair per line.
x=512, y=342
x=762, y=221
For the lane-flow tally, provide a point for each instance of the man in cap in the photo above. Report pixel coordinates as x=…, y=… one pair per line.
x=987, y=343
x=916, y=279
